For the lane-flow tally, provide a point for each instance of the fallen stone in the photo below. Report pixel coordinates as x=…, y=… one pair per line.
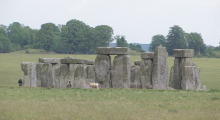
x=188, y=53
x=113, y=51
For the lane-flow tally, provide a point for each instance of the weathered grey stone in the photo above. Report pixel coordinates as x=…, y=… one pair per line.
x=171, y=79
x=80, y=77
x=29, y=70
x=90, y=72
x=135, y=77
x=48, y=75
x=176, y=74
x=121, y=72
x=103, y=70
x=146, y=71
x=160, y=69
x=137, y=63
x=44, y=74
x=147, y=55
x=76, y=61
x=64, y=75
x=189, y=53
x=113, y=51
x=49, y=60
x=190, y=80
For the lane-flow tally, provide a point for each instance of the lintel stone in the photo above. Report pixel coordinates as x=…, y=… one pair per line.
x=189, y=53
x=147, y=55
x=77, y=61
x=49, y=60
x=113, y=51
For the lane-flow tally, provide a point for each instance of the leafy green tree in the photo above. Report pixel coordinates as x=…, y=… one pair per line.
x=5, y=44
x=135, y=47
x=120, y=41
x=156, y=41
x=20, y=35
x=86, y=40
x=47, y=36
x=195, y=41
x=175, y=39
x=104, y=35
x=69, y=34
x=3, y=30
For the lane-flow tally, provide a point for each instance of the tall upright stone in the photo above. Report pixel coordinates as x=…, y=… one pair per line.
x=160, y=69
x=190, y=78
x=121, y=71
x=103, y=70
x=135, y=80
x=29, y=69
x=80, y=77
x=146, y=68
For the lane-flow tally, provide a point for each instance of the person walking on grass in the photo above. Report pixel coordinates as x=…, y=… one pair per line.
x=20, y=82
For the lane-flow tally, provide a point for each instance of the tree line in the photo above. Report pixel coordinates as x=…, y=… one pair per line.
x=75, y=37
x=177, y=38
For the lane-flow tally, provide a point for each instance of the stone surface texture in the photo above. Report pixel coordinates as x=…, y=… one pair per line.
x=160, y=69
x=121, y=72
x=147, y=55
x=135, y=77
x=189, y=53
x=185, y=73
x=103, y=70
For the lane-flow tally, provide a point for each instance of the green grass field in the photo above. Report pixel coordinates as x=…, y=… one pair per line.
x=105, y=104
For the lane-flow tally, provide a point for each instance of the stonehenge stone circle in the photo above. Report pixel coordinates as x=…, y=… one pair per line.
x=151, y=72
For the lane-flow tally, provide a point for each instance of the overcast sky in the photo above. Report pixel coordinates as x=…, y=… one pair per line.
x=137, y=20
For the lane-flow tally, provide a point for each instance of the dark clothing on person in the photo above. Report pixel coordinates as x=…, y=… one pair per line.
x=20, y=82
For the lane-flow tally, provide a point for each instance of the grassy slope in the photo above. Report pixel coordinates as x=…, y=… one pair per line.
x=120, y=104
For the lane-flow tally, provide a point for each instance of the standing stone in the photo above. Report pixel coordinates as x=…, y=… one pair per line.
x=64, y=74
x=160, y=68
x=121, y=71
x=44, y=73
x=29, y=70
x=90, y=73
x=79, y=77
x=135, y=77
x=103, y=70
x=146, y=69
x=56, y=75
x=190, y=80
x=175, y=80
